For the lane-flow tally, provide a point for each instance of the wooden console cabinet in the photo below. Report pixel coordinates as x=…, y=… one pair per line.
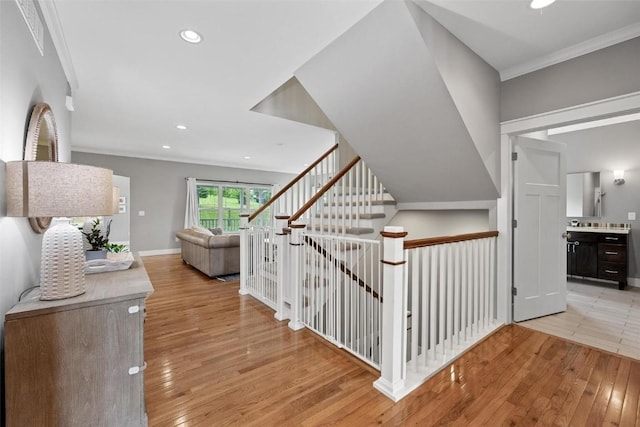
x=601, y=255
x=79, y=361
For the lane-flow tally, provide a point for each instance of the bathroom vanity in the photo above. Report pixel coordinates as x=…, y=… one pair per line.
x=600, y=253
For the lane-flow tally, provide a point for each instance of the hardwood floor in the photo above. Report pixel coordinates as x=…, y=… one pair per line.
x=217, y=358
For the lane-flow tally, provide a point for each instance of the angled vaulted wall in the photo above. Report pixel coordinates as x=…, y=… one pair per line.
x=417, y=105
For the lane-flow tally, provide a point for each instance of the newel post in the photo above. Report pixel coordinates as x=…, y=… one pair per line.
x=393, y=339
x=244, y=253
x=296, y=275
x=282, y=249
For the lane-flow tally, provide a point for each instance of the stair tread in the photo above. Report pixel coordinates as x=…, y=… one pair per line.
x=360, y=215
x=348, y=230
x=373, y=202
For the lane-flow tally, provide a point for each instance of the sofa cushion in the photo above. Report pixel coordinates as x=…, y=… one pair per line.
x=209, y=240
x=189, y=235
x=228, y=241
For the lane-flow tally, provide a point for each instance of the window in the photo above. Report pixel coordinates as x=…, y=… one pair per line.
x=220, y=205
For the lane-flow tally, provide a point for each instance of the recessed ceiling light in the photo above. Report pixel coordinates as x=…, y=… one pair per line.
x=166, y=147
x=190, y=36
x=539, y=4
x=247, y=157
x=181, y=127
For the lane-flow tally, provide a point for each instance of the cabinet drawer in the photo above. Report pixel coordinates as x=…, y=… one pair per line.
x=612, y=271
x=620, y=239
x=577, y=236
x=612, y=253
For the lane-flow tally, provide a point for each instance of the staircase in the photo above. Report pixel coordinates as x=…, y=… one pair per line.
x=337, y=214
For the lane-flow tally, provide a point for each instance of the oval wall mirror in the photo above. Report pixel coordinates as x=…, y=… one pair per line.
x=41, y=144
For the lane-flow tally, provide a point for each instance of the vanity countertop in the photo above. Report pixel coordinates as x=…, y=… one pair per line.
x=600, y=230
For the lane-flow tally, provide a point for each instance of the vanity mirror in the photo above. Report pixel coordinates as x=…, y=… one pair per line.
x=584, y=195
x=41, y=144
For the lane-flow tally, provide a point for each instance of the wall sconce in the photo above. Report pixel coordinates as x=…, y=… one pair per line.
x=618, y=177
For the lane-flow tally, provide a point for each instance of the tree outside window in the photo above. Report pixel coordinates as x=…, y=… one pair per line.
x=220, y=205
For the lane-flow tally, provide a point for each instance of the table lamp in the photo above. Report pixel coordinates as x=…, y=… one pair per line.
x=41, y=188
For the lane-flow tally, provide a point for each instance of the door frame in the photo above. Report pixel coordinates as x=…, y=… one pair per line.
x=624, y=104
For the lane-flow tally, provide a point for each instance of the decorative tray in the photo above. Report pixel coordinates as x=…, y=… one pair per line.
x=113, y=262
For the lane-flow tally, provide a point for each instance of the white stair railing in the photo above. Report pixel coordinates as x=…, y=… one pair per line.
x=297, y=192
x=340, y=296
x=259, y=274
x=342, y=203
x=447, y=286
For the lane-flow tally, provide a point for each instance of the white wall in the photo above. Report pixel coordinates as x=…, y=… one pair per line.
x=421, y=224
x=26, y=78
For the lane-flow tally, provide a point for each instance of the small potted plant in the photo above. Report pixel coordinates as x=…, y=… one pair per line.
x=97, y=240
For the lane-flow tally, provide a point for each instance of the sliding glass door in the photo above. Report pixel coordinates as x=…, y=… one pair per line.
x=221, y=204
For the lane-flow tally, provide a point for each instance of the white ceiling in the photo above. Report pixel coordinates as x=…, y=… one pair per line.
x=133, y=79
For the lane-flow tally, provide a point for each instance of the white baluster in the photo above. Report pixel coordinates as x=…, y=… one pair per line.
x=415, y=308
x=424, y=306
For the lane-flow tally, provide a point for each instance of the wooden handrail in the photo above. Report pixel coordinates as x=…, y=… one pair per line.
x=431, y=241
x=324, y=189
x=292, y=183
x=342, y=268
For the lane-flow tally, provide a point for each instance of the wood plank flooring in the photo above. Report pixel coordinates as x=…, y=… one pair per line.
x=216, y=358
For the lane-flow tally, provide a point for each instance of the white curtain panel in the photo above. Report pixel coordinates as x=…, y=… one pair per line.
x=191, y=214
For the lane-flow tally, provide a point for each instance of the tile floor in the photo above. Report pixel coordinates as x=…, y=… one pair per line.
x=599, y=315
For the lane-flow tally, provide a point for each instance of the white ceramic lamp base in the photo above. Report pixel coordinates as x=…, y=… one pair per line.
x=62, y=266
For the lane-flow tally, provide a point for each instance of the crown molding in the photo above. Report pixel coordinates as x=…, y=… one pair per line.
x=617, y=105
x=609, y=39
x=51, y=19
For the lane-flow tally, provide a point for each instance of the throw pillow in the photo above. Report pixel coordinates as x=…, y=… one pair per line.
x=199, y=229
x=216, y=231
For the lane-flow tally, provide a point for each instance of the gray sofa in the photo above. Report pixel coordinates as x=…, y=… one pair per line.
x=214, y=255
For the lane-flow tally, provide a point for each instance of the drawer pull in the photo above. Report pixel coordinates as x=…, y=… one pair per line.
x=610, y=238
x=610, y=253
x=134, y=309
x=611, y=271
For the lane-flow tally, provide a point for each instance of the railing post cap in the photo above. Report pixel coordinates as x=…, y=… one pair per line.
x=393, y=232
x=393, y=229
x=244, y=215
x=297, y=224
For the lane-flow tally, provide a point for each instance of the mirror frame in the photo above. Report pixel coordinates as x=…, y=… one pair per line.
x=41, y=114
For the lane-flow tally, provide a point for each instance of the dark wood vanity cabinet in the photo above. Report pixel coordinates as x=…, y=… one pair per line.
x=582, y=255
x=598, y=255
x=612, y=258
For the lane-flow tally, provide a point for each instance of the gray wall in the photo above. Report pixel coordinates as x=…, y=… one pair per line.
x=158, y=188
x=422, y=224
x=26, y=78
x=602, y=74
x=604, y=150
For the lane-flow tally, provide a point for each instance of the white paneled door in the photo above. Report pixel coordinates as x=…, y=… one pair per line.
x=539, y=252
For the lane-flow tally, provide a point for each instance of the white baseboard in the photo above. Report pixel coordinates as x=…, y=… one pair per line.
x=633, y=281
x=160, y=252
